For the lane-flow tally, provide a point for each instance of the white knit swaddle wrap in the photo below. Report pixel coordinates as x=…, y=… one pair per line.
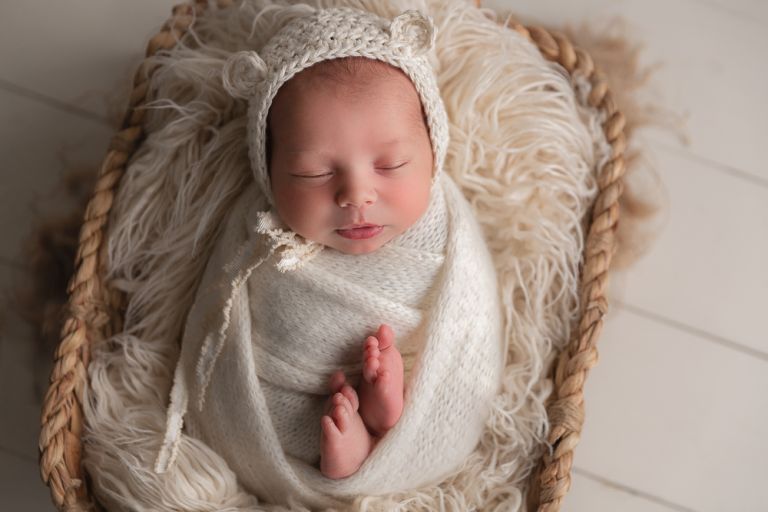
x=275, y=315
x=307, y=324
x=278, y=337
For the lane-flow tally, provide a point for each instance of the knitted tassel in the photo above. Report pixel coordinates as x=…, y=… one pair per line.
x=296, y=250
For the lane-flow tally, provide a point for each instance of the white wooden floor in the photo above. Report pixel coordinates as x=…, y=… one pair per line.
x=677, y=406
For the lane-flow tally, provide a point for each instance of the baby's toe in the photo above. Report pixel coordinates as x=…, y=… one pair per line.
x=386, y=337
x=336, y=381
x=371, y=343
x=329, y=404
x=341, y=417
x=351, y=395
x=340, y=399
x=330, y=430
x=372, y=352
x=370, y=368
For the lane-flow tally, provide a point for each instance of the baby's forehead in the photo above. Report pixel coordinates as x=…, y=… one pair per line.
x=355, y=79
x=350, y=71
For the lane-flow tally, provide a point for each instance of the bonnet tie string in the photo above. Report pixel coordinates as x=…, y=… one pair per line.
x=296, y=251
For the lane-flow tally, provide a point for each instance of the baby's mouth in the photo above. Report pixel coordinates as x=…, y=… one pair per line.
x=363, y=232
x=358, y=226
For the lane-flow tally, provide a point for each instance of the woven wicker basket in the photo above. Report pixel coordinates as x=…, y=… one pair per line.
x=95, y=311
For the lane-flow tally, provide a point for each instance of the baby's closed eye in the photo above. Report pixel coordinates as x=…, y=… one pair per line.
x=322, y=174
x=393, y=166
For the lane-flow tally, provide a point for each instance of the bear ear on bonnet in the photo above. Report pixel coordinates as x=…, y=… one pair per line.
x=415, y=30
x=242, y=73
x=245, y=70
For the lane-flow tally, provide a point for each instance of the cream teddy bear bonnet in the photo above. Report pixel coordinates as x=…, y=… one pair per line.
x=329, y=34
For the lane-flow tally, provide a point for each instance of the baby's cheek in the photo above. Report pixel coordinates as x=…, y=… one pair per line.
x=294, y=206
x=413, y=200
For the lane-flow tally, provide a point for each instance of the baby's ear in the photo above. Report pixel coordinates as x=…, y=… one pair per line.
x=414, y=29
x=242, y=74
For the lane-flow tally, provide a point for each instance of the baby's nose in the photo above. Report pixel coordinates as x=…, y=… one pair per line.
x=357, y=194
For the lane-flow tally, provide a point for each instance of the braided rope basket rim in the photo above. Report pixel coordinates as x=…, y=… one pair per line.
x=94, y=310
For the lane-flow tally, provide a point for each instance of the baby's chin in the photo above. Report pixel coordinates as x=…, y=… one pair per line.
x=355, y=250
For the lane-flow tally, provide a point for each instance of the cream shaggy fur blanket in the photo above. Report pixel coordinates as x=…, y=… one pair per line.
x=523, y=152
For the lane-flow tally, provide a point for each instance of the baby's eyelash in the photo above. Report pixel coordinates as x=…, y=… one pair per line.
x=310, y=175
x=395, y=167
x=313, y=176
x=326, y=174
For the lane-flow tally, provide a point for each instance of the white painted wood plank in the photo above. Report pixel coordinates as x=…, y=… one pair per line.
x=674, y=416
x=708, y=267
x=79, y=52
x=712, y=68
x=753, y=10
x=21, y=486
x=590, y=493
x=38, y=144
x=20, y=401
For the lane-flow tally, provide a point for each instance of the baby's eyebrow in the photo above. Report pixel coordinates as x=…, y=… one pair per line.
x=295, y=151
x=393, y=141
x=322, y=151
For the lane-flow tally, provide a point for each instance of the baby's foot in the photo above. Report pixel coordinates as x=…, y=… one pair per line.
x=345, y=442
x=381, y=388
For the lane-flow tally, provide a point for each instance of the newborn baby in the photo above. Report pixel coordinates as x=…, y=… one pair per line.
x=349, y=266
x=352, y=188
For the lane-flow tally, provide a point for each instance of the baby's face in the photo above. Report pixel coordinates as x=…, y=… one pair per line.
x=340, y=159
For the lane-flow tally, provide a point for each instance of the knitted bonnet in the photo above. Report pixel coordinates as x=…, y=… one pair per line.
x=332, y=33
